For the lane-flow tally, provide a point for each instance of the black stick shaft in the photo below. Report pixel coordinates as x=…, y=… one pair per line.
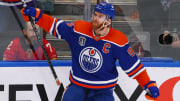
x=40, y=42
x=44, y=50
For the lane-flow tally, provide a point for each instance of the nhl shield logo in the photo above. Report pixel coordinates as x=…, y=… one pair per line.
x=90, y=59
x=82, y=41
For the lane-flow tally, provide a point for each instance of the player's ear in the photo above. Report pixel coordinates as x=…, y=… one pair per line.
x=108, y=22
x=24, y=31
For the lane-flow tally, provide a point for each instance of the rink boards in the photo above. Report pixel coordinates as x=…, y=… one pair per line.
x=33, y=81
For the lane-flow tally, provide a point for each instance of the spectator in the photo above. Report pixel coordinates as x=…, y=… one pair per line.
x=171, y=39
x=28, y=48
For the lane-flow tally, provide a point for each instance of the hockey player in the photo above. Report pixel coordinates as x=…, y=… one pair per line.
x=95, y=47
x=28, y=48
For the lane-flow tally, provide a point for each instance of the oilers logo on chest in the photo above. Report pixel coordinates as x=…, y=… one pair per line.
x=90, y=59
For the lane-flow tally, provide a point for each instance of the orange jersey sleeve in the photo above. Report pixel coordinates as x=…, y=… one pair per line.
x=46, y=22
x=142, y=78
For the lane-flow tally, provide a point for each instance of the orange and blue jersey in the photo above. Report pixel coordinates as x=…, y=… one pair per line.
x=94, y=57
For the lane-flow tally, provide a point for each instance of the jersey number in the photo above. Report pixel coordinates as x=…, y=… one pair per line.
x=131, y=52
x=49, y=45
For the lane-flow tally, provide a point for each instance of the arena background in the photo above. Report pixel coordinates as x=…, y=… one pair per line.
x=33, y=80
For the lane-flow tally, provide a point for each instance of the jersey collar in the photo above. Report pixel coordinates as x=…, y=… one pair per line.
x=98, y=37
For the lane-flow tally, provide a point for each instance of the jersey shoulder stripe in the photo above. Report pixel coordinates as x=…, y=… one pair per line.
x=116, y=37
x=83, y=27
x=54, y=28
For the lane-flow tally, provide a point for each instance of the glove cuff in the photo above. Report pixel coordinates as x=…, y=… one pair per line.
x=150, y=84
x=39, y=16
x=26, y=18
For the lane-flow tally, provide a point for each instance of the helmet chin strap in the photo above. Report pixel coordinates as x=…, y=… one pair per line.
x=103, y=25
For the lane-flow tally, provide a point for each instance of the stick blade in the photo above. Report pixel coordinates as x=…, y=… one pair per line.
x=58, y=82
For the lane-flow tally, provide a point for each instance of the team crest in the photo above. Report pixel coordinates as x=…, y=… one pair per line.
x=82, y=41
x=29, y=52
x=90, y=59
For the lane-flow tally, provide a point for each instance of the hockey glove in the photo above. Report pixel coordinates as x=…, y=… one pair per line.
x=31, y=11
x=152, y=90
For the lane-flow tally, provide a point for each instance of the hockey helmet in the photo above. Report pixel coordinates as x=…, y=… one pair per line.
x=105, y=8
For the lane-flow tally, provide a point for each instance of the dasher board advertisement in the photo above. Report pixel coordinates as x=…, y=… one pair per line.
x=33, y=81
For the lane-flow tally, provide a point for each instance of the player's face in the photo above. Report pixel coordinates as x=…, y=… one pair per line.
x=98, y=20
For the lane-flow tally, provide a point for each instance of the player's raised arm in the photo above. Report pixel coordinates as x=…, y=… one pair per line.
x=48, y=23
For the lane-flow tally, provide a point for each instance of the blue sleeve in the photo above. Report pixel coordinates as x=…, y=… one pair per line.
x=62, y=29
x=128, y=60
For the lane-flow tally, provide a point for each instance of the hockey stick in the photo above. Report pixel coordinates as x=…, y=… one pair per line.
x=35, y=30
x=61, y=89
x=43, y=48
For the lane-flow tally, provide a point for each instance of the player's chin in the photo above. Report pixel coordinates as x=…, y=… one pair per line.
x=95, y=26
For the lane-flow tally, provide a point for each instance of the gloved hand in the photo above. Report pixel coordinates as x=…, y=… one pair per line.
x=31, y=11
x=152, y=90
